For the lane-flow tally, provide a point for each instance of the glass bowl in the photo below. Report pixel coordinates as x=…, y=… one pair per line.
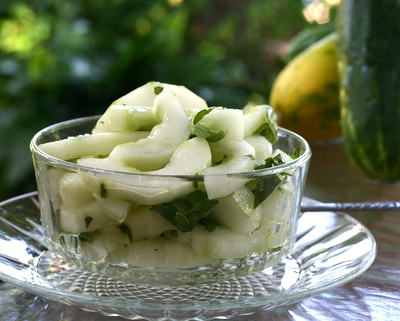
x=151, y=229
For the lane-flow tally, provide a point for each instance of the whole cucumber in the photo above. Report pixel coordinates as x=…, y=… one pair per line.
x=369, y=67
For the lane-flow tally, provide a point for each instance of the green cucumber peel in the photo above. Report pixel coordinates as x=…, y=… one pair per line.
x=186, y=211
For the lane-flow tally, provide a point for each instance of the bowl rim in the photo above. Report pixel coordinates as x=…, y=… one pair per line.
x=54, y=161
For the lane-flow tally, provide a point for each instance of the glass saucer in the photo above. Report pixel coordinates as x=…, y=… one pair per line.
x=331, y=249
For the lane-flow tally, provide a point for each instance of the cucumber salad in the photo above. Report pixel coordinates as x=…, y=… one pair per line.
x=164, y=180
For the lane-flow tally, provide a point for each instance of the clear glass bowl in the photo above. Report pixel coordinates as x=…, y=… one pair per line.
x=119, y=224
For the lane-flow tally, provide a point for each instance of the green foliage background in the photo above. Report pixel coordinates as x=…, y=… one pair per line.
x=66, y=59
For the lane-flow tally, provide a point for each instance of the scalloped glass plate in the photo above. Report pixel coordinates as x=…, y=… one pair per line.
x=331, y=249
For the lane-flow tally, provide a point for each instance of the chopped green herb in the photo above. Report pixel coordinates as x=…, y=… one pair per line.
x=262, y=187
x=297, y=153
x=200, y=115
x=274, y=250
x=85, y=237
x=158, y=90
x=88, y=220
x=220, y=161
x=126, y=230
x=271, y=161
x=103, y=191
x=186, y=211
x=209, y=223
x=209, y=134
x=269, y=131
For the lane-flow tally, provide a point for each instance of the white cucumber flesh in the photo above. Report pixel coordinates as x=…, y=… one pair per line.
x=223, y=243
x=222, y=119
x=263, y=148
x=145, y=224
x=90, y=145
x=130, y=118
x=217, y=180
x=115, y=208
x=188, y=159
x=84, y=219
x=278, y=205
x=73, y=191
x=157, y=252
x=145, y=95
x=154, y=151
x=256, y=117
x=141, y=189
x=229, y=213
x=100, y=243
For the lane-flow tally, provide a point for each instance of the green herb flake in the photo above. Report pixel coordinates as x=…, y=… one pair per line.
x=262, y=187
x=297, y=153
x=200, y=115
x=209, y=223
x=186, y=211
x=103, y=191
x=85, y=237
x=269, y=131
x=220, y=161
x=271, y=161
x=126, y=230
x=88, y=220
x=274, y=250
x=209, y=134
x=158, y=90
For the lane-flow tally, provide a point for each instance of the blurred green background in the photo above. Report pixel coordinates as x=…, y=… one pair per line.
x=66, y=59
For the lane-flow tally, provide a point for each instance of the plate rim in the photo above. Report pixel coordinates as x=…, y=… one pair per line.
x=54, y=294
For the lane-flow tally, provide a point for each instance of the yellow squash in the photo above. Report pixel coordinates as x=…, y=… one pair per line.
x=305, y=94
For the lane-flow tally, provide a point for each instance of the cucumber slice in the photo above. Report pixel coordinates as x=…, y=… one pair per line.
x=96, y=245
x=84, y=219
x=146, y=94
x=146, y=190
x=262, y=147
x=90, y=145
x=116, y=209
x=224, y=243
x=262, y=120
x=143, y=97
x=229, y=213
x=154, y=151
x=229, y=121
x=188, y=159
x=73, y=191
x=129, y=118
x=145, y=224
x=240, y=159
x=158, y=252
